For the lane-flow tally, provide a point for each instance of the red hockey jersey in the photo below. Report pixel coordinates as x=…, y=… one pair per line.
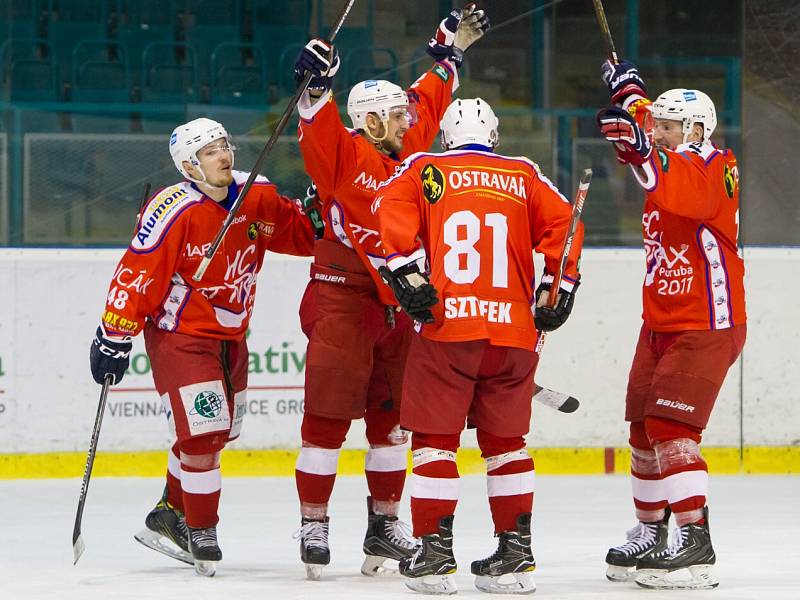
x=477, y=216
x=690, y=225
x=347, y=168
x=154, y=278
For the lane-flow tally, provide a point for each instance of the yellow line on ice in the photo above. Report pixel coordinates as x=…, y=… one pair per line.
x=280, y=463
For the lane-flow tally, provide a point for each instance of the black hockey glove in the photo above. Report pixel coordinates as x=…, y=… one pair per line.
x=550, y=319
x=413, y=291
x=107, y=356
x=322, y=59
x=457, y=32
x=622, y=80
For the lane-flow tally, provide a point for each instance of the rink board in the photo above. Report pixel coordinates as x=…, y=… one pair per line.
x=51, y=301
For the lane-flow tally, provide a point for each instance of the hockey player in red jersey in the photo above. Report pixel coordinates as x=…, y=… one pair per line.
x=476, y=216
x=694, y=321
x=357, y=341
x=195, y=333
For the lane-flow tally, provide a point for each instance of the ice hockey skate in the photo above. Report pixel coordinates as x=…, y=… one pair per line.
x=642, y=540
x=205, y=550
x=387, y=538
x=166, y=532
x=314, y=550
x=430, y=570
x=686, y=564
x=510, y=569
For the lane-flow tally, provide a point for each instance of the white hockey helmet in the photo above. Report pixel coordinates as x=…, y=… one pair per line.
x=374, y=96
x=187, y=139
x=470, y=121
x=688, y=107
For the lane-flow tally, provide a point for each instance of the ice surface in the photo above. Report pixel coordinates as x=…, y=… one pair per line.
x=753, y=522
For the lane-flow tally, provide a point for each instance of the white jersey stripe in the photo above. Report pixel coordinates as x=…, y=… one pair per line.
x=717, y=284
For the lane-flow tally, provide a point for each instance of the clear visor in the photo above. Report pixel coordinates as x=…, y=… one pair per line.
x=214, y=149
x=404, y=111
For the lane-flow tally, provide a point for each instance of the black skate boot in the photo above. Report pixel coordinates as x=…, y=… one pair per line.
x=314, y=549
x=430, y=569
x=686, y=564
x=205, y=550
x=386, y=538
x=643, y=540
x=166, y=531
x=513, y=557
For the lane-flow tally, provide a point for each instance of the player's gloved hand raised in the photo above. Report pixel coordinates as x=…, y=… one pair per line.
x=413, y=291
x=108, y=356
x=550, y=319
x=622, y=80
x=457, y=32
x=621, y=129
x=320, y=58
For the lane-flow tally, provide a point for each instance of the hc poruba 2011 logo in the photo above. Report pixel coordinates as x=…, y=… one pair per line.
x=207, y=404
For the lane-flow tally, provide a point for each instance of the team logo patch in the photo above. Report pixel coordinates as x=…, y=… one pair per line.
x=260, y=228
x=442, y=72
x=662, y=156
x=729, y=179
x=689, y=95
x=433, y=183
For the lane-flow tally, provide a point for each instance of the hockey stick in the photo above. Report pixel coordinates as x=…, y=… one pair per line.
x=600, y=12
x=198, y=275
x=559, y=400
x=77, y=539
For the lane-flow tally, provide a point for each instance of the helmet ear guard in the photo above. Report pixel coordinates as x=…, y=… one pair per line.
x=469, y=121
x=690, y=107
x=188, y=139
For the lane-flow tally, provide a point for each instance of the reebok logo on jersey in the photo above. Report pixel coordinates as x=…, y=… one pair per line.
x=675, y=404
x=464, y=307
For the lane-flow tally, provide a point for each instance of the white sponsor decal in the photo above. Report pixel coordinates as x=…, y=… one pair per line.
x=205, y=407
x=462, y=307
x=329, y=278
x=365, y=181
x=675, y=404
x=132, y=280
x=158, y=214
x=513, y=184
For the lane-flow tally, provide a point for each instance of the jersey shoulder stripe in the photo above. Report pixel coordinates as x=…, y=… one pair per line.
x=240, y=177
x=160, y=213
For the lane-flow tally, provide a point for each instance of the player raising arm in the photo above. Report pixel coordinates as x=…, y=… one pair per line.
x=477, y=216
x=694, y=320
x=195, y=336
x=357, y=343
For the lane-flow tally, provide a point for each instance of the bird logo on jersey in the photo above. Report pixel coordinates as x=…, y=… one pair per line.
x=433, y=183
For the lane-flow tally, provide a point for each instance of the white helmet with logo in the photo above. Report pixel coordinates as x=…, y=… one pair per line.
x=374, y=96
x=187, y=139
x=688, y=107
x=470, y=121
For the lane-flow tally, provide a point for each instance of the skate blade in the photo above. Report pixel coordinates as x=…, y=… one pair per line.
x=697, y=577
x=510, y=583
x=433, y=584
x=620, y=574
x=161, y=544
x=206, y=568
x=313, y=572
x=374, y=566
